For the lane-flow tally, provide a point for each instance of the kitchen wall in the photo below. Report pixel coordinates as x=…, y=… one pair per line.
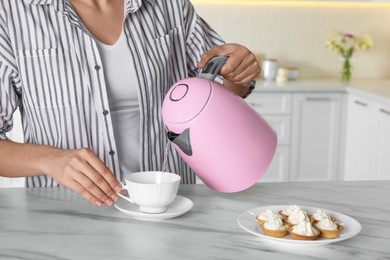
x=295, y=33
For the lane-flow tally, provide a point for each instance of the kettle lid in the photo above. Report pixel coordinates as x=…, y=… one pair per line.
x=186, y=99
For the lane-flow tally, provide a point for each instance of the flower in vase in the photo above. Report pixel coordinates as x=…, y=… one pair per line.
x=345, y=44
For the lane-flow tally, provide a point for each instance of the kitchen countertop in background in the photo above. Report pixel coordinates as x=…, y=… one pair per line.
x=370, y=88
x=55, y=223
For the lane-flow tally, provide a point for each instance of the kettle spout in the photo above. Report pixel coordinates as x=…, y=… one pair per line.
x=181, y=140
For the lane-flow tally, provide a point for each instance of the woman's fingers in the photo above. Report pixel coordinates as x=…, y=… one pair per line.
x=104, y=172
x=82, y=171
x=84, y=193
x=93, y=182
x=244, y=73
x=241, y=66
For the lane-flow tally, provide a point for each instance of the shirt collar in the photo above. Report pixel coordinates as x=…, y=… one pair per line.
x=130, y=5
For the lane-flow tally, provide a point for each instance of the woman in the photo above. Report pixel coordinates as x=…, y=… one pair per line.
x=89, y=77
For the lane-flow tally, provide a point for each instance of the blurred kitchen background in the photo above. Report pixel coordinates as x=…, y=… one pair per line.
x=295, y=32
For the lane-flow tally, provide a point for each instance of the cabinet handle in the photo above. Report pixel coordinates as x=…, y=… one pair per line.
x=385, y=111
x=318, y=98
x=360, y=103
x=255, y=104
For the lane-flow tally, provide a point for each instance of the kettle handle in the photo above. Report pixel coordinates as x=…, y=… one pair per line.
x=212, y=67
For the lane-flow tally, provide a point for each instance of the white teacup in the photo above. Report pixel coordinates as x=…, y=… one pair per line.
x=152, y=191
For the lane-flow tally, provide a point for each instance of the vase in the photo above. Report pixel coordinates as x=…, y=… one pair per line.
x=346, y=69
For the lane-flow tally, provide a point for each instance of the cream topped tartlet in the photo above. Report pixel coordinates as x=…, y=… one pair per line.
x=328, y=228
x=304, y=231
x=320, y=214
x=297, y=217
x=274, y=227
x=267, y=215
x=290, y=210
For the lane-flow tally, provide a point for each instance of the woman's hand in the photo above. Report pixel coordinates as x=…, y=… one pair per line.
x=80, y=170
x=83, y=172
x=241, y=66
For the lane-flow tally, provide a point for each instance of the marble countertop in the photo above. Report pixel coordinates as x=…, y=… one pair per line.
x=54, y=223
x=371, y=88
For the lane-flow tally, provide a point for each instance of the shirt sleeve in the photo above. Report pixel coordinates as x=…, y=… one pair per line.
x=9, y=82
x=200, y=38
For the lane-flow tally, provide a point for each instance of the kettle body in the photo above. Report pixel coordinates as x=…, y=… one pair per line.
x=223, y=139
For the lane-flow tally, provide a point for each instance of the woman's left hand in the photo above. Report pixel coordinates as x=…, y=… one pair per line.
x=241, y=66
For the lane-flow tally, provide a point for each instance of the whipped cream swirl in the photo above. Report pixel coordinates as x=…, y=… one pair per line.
x=320, y=214
x=326, y=224
x=304, y=229
x=297, y=217
x=274, y=224
x=290, y=210
x=268, y=214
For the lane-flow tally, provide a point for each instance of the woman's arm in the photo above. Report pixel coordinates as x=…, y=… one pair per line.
x=80, y=170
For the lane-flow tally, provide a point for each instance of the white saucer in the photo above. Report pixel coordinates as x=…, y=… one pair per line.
x=178, y=207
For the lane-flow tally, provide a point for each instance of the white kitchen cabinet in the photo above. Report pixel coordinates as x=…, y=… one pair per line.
x=367, y=153
x=315, y=143
x=279, y=168
x=383, y=152
x=12, y=182
x=275, y=108
x=360, y=148
x=282, y=126
x=273, y=103
x=16, y=134
x=308, y=126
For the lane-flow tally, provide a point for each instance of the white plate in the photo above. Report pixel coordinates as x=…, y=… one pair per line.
x=178, y=207
x=247, y=221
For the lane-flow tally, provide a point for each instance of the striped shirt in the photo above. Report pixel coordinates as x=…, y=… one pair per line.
x=51, y=69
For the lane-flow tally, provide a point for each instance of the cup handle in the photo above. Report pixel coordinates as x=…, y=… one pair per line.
x=124, y=187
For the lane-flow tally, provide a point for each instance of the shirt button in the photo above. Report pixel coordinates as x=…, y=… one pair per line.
x=97, y=67
x=111, y=152
x=106, y=112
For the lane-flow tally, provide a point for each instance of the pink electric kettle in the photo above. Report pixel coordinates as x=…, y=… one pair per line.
x=224, y=141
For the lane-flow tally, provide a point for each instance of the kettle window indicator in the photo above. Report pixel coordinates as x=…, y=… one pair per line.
x=179, y=92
